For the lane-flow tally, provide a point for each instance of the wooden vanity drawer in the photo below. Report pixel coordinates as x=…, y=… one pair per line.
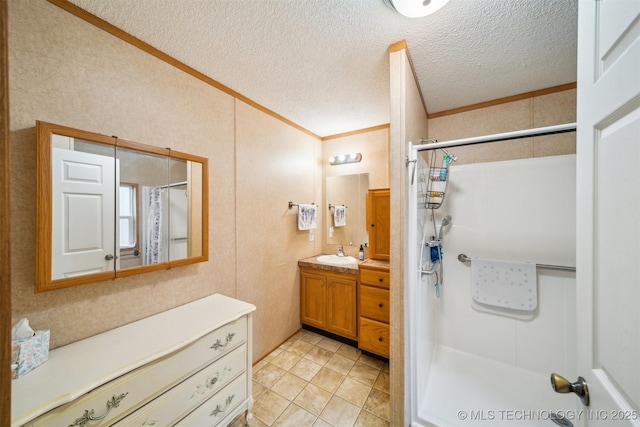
x=374, y=337
x=374, y=303
x=374, y=277
x=220, y=406
x=190, y=393
x=123, y=395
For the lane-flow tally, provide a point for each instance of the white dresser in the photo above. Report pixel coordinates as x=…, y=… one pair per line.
x=188, y=366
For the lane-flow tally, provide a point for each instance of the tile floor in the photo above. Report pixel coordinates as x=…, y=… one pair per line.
x=315, y=381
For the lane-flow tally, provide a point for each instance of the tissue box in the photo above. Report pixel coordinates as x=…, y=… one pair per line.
x=29, y=353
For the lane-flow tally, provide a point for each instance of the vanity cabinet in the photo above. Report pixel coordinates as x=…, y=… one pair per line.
x=373, y=309
x=379, y=223
x=328, y=301
x=187, y=366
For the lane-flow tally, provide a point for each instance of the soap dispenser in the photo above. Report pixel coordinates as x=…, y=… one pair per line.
x=361, y=253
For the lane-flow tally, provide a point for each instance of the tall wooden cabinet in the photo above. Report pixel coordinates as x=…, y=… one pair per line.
x=379, y=223
x=328, y=301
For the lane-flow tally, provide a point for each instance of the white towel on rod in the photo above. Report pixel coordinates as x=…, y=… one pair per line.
x=506, y=288
x=339, y=216
x=307, y=217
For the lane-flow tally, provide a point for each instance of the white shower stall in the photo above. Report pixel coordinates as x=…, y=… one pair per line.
x=466, y=367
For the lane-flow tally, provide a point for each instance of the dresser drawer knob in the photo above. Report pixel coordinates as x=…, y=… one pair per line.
x=114, y=402
x=380, y=339
x=380, y=279
x=218, y=344
x=380, y=305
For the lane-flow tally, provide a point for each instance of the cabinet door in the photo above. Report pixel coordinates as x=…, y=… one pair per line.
x=313, y=299
x=379, y=224
x=341, y=307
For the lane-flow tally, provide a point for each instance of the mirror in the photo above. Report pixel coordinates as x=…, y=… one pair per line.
x=112, y=208
x=349, y=191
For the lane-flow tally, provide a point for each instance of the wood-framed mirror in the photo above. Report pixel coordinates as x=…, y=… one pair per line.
x=110, y=208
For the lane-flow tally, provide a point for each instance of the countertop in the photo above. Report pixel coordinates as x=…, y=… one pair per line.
x=349, y=269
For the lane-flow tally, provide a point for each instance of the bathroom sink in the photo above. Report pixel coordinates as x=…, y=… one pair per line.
x=337, y=260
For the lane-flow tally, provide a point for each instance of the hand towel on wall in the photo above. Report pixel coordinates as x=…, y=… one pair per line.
x=306, y=217
x=339, y=216
x=506, y=288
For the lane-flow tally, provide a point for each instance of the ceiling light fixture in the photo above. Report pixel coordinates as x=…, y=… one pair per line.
x=415, y=8
x=345, y=158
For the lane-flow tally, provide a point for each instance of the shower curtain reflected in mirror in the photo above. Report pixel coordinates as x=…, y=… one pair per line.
x=154, y=233
x=165, y=224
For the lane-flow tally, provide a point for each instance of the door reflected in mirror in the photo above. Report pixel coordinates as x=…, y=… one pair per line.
x=112, y=208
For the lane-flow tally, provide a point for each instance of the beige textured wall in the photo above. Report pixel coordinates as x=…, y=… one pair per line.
x=546, y=110
x=66, y=71
x=275, y=164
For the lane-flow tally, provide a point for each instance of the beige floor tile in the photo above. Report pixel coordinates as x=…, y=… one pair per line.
x=378, y=403
x=340, y=364
x=315, y=381
x=300, y=347
x=321, y=423
x=269, y=407
x=313, y=399
x=285, y=360
x=367, y=419
x=353, y=392
x=349, y=352
x=382, y=383
x=364, y=374
x=289, y=386
x=327, y=379
x=268, y=375
x=305, y=369
x=295, y=416
x=311, y=337
x=319, y=355
x=371, y=361
x=257, y=389
x=340, y=413
x=329, y=344
x=273, y=354
x=260, y=364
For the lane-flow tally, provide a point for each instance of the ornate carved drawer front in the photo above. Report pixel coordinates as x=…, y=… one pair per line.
x=220, y=406
x=121, y=396
x=190, y=393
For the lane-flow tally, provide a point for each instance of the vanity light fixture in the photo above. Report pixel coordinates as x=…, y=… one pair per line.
x=345, y=158
x=415, y=8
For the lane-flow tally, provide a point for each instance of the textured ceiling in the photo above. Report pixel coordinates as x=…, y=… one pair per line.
x=324, y=64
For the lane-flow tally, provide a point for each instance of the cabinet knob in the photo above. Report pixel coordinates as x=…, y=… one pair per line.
x=380, y=305
x=380, y=339
x=373, y=225
x=380, y=279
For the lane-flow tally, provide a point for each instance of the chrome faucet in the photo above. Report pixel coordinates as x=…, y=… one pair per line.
x=340, y=251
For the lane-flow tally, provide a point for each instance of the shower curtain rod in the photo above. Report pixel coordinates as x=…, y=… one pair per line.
x=549, y=130
x=175, y=184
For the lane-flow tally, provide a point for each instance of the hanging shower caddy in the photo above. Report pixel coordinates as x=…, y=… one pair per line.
x=438, y=179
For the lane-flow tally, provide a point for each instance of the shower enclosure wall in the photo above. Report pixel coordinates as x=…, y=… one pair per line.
x=465, y=367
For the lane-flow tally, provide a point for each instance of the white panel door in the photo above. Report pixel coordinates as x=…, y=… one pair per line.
x=608, y=211
x=83, y=221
